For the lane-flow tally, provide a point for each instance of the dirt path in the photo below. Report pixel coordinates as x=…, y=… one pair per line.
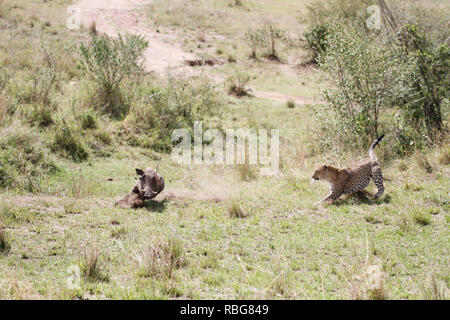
x=127, y=16
x=284, y=98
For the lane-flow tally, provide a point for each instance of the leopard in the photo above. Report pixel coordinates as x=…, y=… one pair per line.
x=351, y=180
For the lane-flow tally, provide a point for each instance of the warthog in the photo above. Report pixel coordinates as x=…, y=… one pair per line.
x=149, y=185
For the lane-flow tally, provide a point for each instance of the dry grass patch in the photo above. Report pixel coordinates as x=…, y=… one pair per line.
x=290, y=104
x=238, y=85
x=433, y=290
x=444, y=155
x=421, y=217
x=93, y=28
x=423, y=162
x=90, y=265
x=4, y=242
x=3, y=108
x=235, y=210
x=118, y=232
x=369, y=285
x=162, y=258
x=247, y=172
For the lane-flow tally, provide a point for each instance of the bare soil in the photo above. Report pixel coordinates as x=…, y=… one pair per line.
x=112, y=17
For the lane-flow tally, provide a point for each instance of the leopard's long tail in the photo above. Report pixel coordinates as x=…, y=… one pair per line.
x=374, y=144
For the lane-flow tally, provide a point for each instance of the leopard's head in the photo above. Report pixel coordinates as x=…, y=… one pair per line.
x=324, y=172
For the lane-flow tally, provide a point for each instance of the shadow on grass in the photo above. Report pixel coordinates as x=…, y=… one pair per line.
x=361, y=198
x=155, y=206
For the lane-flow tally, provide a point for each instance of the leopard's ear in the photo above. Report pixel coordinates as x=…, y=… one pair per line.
x=325, y=167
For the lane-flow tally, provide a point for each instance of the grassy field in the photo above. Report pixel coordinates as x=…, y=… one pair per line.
x=267, y=240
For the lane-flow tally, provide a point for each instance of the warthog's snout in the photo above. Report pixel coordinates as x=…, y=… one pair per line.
x=149, y=194
x=149, y=185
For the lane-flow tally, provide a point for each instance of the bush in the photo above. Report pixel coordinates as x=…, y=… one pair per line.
x=237, y=84
x=23, y=160
x=88, y=121
x=368, y=77
x=255, y=38
x=274, y=35
x=427, y=83
x=401, y=69
x=347, y=13
x=164, y=109
x=316, y=41
x=109, y=62
x=67, y=144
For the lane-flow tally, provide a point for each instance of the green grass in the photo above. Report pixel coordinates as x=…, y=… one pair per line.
x=266, y=240
x=319, y=250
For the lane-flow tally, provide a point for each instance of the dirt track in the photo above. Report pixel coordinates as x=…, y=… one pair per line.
x=126, y=16
x=284, y=98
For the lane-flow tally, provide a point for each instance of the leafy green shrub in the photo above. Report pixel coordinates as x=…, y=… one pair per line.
x=403, y=67
x=368, y=75
x=23, y=159
x=67, y=144
x=427, y=83
x=274, y=35
x=237, y=84
x=88, y=121
x=164, y=109
x=347, y=13
x=316, y=41
x=108, y=62
x=255, y=38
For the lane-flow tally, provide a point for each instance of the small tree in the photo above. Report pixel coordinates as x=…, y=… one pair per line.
x=428, y=80
x=274, y=35
x=109, y=62
x=368, y=77
x=316, y=41
x=255, y=38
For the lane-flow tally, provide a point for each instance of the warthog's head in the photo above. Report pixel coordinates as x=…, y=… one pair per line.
x=149, y=185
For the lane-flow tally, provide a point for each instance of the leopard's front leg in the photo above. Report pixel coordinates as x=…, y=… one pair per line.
x=333, y=196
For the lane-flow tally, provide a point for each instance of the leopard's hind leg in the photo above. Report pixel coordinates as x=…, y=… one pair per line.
x=377, y=178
